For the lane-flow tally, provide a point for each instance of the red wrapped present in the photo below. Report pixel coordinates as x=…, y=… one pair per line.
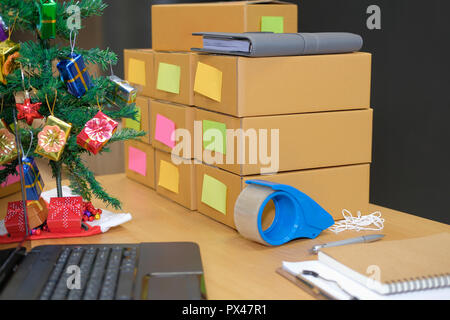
x=15, y=219
x=97, y=132
x=65, y=214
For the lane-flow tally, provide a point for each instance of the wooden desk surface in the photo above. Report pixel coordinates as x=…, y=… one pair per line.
x=235, y=268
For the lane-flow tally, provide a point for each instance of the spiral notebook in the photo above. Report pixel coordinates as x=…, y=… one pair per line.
x=396, y=266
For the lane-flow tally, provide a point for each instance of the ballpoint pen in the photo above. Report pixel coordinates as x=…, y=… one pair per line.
x=368, y=238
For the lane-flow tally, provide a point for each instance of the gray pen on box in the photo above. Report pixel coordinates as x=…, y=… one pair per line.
x=368, y=238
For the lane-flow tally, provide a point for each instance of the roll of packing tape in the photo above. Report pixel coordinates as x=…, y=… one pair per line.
x=296, y=214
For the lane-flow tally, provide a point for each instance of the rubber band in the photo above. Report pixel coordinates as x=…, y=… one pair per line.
x=370, y=222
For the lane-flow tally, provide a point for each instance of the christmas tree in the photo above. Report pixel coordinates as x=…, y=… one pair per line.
x=66, y=102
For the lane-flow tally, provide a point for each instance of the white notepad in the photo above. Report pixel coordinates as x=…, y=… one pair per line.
x=352, y=287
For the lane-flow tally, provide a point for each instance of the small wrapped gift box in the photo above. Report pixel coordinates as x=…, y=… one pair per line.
x=9, y=51
x=97, y=132
x=3, y=30
x=47, y=19
x=8, y=150
x=74, y=73
x=52, y=138
x=65, y=214
x=33, y=180
x=15, y=218
x=123, y=91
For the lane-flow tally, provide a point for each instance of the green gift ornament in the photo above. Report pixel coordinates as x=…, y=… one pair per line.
x=47, y=19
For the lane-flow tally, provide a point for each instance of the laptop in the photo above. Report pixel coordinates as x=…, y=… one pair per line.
x=145, y=271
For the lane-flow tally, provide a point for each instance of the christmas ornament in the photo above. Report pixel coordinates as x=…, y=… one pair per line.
x=47, y=19
x=3, y=30
x=33, y=180
x=123, y=91
x=8, y=149
x=52, y=139
x=74, y=73
x=28, y=110
x=64, y=214
x=90, y=213
x=8, y=55
x=97, y=132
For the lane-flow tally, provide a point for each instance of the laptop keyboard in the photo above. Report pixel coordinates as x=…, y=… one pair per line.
x=105, y=273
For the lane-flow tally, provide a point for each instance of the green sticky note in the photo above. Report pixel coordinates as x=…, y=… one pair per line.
x=272, y=24
x=134, y=124
x=215, y=136
x=168, y=78
x=214, y=193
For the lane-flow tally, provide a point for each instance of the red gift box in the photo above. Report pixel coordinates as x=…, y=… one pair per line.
x=64, y=214
x=15, y=219
x=97, y=132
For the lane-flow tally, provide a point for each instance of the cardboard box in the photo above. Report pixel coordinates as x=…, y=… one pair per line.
x=305, y=141
x=173, y=25
x=140, y=162
x=167, y=117
x=176, y=181
x=139, y=69
x=335, y=189
x=143, y=121
x=174, y=77
x=282, y=85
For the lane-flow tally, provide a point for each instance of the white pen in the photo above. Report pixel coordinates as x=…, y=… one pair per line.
x=368, y=238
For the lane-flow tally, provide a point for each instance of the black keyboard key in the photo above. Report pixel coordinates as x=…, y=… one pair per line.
x=127, y=274
x=111, y=275
x=56, y=273
x=62, y=286
x=96, y=278
x=85, y=270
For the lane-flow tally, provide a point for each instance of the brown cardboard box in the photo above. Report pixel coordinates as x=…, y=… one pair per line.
x=177, y=181
x=173, y=25
x=335, y=189
x=182, y=116
x=285, y=85
x=143, y=104
x=9, y=189
x=310, y=140
x=139, y=69
x=140, y=162
x=185, y=62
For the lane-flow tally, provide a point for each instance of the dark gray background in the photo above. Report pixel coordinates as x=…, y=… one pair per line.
x=410, y=89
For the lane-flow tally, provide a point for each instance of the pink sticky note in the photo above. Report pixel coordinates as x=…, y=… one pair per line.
x=10, y=179
x=137, y=161
x=164, y=129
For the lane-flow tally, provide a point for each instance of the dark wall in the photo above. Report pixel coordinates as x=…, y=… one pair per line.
x=410, y=96
x=411, y=81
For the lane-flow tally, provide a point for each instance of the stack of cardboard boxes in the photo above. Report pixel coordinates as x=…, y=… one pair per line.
x=299, y=120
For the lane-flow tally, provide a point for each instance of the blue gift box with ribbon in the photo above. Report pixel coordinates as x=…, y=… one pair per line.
x=74, y=73
x=33, y=180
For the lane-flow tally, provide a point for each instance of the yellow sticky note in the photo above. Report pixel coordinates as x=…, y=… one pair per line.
x=134, y=124
x=208, y=81
x=136, y=72
x=168, y=78
x=169, y=176
x=214, y=193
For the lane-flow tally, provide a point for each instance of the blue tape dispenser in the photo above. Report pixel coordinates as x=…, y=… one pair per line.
x=296, y=214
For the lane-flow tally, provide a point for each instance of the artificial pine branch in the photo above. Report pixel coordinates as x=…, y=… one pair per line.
x=37, y=58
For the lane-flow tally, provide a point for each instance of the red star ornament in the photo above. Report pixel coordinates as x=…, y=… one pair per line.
x=29, y=111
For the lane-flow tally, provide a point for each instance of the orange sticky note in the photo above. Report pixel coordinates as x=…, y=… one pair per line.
x=136, y=72
x=208, y=81
x=169, y=176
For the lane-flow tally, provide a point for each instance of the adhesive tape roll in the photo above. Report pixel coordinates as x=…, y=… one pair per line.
x=296, y=214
